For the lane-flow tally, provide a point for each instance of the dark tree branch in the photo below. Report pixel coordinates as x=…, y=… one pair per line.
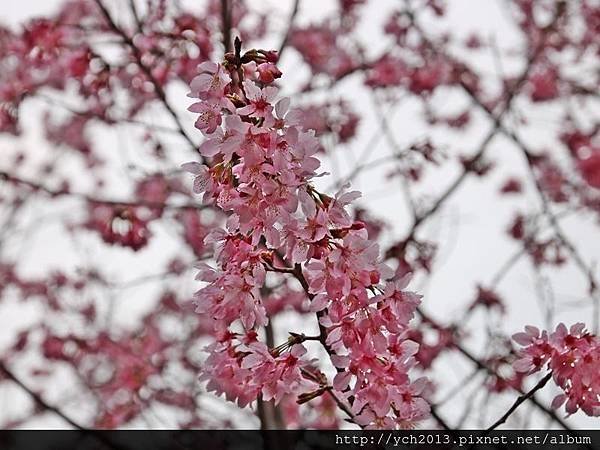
x=521, y=399
x=91, y=199
x=137, y=54
x=482, y=366
x=41, y=403
x=496, y=119
x=226, y=24
x=38, y=400
x=290, y=26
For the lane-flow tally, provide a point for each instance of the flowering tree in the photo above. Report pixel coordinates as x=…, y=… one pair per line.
x=311, y=305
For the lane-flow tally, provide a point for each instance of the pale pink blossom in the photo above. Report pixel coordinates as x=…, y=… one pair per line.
x=210, y=116
x=262, y=180
x=260, y=100
x=211, y=82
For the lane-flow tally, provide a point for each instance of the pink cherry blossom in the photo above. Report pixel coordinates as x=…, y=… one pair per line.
x=590, y=169
x=211, y=82
x=260, y=100
x=573, y=356
x=262, y=180
x=210, y=116
x=268, y=72
x=544, y=84
x=225, y=141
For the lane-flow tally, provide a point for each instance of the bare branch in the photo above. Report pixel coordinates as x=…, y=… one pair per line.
x=226, y=23
x=147, y=71
x=290, y=26
x=91, y=199
x=521, y=399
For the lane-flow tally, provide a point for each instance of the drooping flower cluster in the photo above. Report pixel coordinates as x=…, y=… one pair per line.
x=573, y=355
x=259, y=172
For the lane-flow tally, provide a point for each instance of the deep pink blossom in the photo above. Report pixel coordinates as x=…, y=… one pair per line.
x=268, y=72
x=590, y=169
x=573, y=356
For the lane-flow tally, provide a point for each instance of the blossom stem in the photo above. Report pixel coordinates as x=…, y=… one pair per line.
x=340, y=403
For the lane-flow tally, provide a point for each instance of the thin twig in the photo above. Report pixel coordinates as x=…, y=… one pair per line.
x=137, y=54
x=482, y=366
x=521, y=399
x=43, y=404
x=290, y=26
x=461, y=178
x=91, y=199
x=38, y=399
x=340, y=403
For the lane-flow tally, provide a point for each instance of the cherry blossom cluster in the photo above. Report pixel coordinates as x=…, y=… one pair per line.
x=260, y=171
x=573, y=356
x=119, y=226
